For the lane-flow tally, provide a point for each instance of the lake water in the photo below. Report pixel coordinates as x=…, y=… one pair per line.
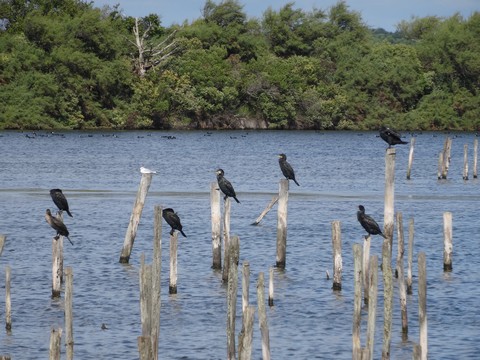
x=337, y=171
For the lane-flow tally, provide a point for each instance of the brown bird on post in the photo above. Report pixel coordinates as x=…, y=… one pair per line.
x=57, y=224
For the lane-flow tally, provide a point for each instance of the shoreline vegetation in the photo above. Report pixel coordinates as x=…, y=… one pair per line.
x=71, y=66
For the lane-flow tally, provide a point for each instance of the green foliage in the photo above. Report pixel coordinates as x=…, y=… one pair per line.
x=66, y=64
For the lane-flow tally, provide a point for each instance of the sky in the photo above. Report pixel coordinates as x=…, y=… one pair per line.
x=375, y=13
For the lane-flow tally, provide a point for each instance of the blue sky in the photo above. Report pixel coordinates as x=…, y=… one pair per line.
x=375, y=13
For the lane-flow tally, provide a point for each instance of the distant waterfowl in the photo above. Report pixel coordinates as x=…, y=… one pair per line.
x=60, y=200
x=286, y=168
x=144, y=170
x=173, y=220
x=368, y=223
x=225, y=186
x=391, y=137
x=57, y=224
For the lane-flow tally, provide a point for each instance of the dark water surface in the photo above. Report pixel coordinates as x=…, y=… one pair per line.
x=337, y=171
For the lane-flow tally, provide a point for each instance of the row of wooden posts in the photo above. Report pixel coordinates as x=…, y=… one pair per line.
x=365, y=270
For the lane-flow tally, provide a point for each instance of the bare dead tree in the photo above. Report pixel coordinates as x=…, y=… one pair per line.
x=149, y=54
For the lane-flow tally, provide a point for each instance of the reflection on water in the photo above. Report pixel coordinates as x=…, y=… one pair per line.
x=337, y=172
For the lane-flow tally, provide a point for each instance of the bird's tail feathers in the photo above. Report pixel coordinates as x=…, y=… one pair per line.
x=70, y=240
x=236, y=199
x=183, y=233
x=296, y=182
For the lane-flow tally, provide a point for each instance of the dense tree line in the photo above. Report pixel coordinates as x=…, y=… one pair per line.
x=66, y=64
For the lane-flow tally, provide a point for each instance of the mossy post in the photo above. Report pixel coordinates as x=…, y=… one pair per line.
x=145, y=182
x=216, y=225
x=282, y=224
x=337, y=255
x=447, y=241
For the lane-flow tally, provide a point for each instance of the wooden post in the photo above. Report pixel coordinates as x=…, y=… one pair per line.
x=156, y=278
x=366, y=270
x=282, y=223
x=5, y=357
x=422, y=303
x=145, y=296
x=475, y=157
x=387, y=298
x=465, y=162
x=357, y=303
x=69, y=312
x=447, y=147
x=440, y=166
x=372, y=304
x=8, y=302
x=226, y=239
x=56, y=271
x=246, y=346
x=410, y=157
x=145, y=347
x=232, y=300
x=401, y=280
x=55, y=344
x=2, y=243
x=270, y=287
x=417, y=352
x=172, y=289
x=388, y=215
x=135, y=218
x=410, y=256
x=337, y=255
x=447, y=241
x=262, y=317
x=216, y=226
x=245, y=286
x=267, y=209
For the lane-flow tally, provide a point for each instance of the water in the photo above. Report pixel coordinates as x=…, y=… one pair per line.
x=337, y=171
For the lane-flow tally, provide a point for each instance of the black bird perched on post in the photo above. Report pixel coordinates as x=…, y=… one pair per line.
x=368, y=223
x=60, y=200
x=390, y=136
x=225, y=186
x=57, y=224
x=286, y=168
x=173, y=220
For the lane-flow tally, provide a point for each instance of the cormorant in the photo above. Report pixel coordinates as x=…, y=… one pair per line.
x=60, y=200
x=286, y=168
x=391, y=137
x=57, y=224
x=225, y=186
x=173, y=220
x=368, y=223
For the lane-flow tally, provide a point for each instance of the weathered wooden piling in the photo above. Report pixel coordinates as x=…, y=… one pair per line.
x=55, y=344
x=411, y=230
x=267, y=209
x=144, y=344
x=145, y=275
x=245, y=348
x=387, y=298
x=216, y=226
x=8, y=302
x=465, y=162
x=447, y=147
x=365, y=268
x=388, y=215
x=372, y=304
x=440, y=165
x=410, y=157
x=5, y=357
x=422, y=303
x=262, y=317
x=232, y=299
x=270, y=287
x=56, y=266
x=337, y=255
x=447, y=241
x=135, y=218
x=245, y=286
x=357, y=302
x=402, y=292
x=172, y=288
x=417, y=352
x=2, y=243
x=475, y=157
x=69, y=312
x=282, y=223
x=226, y=238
